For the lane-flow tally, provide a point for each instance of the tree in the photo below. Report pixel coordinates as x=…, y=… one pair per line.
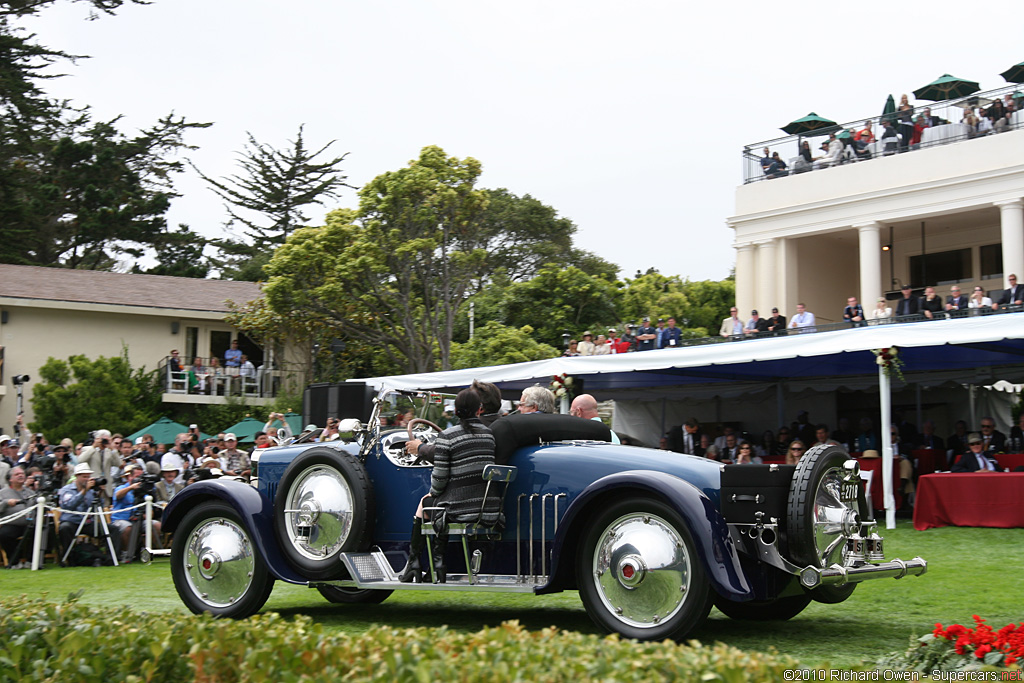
x=560, y=300
x=269, y=195
x=74, y=192
x=694, y=304
x=496, y=344
x=179, y=253
x=78, y=395
x=395, y=273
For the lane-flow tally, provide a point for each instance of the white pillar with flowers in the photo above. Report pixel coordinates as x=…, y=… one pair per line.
x=889, y=362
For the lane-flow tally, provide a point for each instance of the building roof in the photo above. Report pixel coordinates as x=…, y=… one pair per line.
x=122, y=289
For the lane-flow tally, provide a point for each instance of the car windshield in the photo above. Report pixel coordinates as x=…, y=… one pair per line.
x=394, y=409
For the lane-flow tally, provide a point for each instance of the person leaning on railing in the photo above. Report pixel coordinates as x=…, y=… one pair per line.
x=880, y=311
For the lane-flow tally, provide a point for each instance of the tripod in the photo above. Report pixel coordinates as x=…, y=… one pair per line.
x=100, y=530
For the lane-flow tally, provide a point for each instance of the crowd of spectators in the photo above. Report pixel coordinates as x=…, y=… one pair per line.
x=901, y=131
x=648, y=336
x=111, y=473
x=214, y=376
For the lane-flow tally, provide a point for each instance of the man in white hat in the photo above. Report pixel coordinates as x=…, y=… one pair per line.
x=76, y=497
x=237, y=462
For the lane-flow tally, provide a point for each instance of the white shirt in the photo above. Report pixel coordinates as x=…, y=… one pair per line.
x=248, y=369
x=805, y=319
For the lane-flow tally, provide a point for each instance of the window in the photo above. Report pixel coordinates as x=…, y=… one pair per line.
x=941, y=268
x=991, y=261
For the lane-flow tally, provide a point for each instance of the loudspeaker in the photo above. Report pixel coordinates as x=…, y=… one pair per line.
x=341, y=400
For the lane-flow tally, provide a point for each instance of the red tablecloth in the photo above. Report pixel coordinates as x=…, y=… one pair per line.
x=877, y=492
x=929, y=460
x=1010, y=460
x=991, y=499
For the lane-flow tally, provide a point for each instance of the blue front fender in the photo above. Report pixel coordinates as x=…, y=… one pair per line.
x=705, y=523
x=254, y=509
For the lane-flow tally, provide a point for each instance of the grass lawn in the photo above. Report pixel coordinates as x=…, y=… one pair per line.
x=971, y=571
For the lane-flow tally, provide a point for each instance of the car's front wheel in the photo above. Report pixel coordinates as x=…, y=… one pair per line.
x=215, y=566
x=639, y=574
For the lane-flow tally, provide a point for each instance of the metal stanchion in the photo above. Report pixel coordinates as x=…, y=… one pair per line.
x=37, y=540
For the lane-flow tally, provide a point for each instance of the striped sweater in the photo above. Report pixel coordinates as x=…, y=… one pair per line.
x=456, y=482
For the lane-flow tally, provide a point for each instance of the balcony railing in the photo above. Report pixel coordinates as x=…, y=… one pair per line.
x=829, y=327
x=263, y=381
x=950, y=112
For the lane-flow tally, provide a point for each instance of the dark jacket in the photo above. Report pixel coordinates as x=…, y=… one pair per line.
x=460, y=455
x=909, y=306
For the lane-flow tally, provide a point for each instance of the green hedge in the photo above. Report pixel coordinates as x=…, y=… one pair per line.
x=71, y=642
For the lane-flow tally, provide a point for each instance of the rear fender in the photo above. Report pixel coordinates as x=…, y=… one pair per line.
x=708, y=528
x=255, y=510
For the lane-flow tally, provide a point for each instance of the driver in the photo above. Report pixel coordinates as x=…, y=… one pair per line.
x=461, y=453
x=491, y=397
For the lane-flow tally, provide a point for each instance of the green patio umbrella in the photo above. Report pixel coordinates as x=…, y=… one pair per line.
x=1015, y=74
x=163, y=430
x=246, y=429
x=889, y=110
x=294, y=421
x=810, y=125
x=946, y=87
x=845, y=135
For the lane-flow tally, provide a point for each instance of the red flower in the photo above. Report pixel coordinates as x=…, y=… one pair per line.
x=982, y=651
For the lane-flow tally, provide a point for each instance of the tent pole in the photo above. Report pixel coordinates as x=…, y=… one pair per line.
x=887, y=456
x=663, y=430
x=970, y=402
x=780, y=405
x=917, y=395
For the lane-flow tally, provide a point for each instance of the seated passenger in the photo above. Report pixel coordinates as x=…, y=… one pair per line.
x=461, y=453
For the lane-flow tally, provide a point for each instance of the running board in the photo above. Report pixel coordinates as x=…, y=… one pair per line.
x=373, y=571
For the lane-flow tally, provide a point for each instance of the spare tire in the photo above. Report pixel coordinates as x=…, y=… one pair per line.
x=324, y=506
x=820, y=517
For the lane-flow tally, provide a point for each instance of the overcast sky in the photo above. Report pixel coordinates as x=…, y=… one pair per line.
x=628, y=118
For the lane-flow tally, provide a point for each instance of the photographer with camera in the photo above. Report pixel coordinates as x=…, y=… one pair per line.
x=15, y=498
x=77, y=497
x=123, y=519
x=236, y=462
x=183, y=455
x=100, y=457
x=280, y=433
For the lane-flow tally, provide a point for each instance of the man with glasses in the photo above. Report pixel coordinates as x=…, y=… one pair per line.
x=1014, y=296
x=732, y=327
x=955, y=301
x=977, y=458
x=992, y=439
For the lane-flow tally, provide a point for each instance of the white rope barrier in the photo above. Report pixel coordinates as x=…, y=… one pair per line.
x=41, y=508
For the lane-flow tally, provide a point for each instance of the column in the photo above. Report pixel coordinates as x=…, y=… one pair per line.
x=745, y=279
x=767, y=274
x=1011, y=214
x=870, y=263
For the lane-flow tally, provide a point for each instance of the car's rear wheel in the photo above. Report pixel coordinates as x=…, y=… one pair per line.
x=779, y=609
x=639, y=574
x=353, y=596
x=324, y=507
x=820, y=517
x=215, y=566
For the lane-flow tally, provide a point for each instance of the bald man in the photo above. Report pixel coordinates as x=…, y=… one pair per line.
x=585, y=406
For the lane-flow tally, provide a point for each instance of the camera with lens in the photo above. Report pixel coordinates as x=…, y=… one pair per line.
x=147, y=483
x=100, y=481
x=20, y=379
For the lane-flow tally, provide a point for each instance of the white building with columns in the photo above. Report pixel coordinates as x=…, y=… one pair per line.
x=944, y=215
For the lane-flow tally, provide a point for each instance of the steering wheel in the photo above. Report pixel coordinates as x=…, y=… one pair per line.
x=418, y=421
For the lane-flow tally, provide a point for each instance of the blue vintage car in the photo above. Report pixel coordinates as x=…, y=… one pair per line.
x=650, y=539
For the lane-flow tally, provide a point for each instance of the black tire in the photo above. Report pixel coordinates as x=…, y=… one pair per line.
x=643, y=601
x=215, y=565
x=818, y=463
x=353, y=596
x=779, y=609
x=313, y=476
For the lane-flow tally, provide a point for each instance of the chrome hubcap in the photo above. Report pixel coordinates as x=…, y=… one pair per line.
x=318, y=512
x=641, y=570
x=219, y=562
x=835, y=519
